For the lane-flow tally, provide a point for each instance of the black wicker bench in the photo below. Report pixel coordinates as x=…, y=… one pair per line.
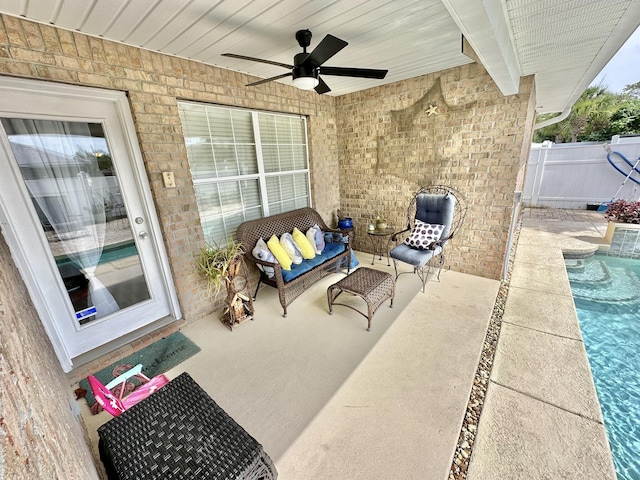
x=250, y=232
x=179, y=432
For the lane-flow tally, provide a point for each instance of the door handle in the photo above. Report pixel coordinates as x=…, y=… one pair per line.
x=143, y=235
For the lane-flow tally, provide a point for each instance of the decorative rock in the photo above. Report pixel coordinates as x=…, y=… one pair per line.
x=460, y=464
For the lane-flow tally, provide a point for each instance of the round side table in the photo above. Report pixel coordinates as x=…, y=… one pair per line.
x=380, y=239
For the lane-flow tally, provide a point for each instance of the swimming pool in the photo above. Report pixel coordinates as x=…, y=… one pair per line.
x=606, y=292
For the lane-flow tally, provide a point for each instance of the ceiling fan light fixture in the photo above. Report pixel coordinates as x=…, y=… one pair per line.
x=306, y=83
x=306, y=68
x=305, y=77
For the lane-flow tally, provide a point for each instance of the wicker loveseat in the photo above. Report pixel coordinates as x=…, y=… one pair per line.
x=291, y=284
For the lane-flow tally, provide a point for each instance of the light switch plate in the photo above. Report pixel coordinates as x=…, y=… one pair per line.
x=169, y=180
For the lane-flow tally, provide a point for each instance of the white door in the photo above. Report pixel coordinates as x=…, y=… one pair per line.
x=78, y=215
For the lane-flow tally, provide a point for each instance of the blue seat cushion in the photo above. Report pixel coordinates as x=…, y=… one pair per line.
x=413, y=256
x=436, y=209
x=330, y=250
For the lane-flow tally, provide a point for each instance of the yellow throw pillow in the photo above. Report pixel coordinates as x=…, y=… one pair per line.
x=303, y=244
x=274, y=247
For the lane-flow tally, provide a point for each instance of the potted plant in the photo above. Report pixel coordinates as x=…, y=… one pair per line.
x=223, y=265
x=623, y=216
x=381, y=222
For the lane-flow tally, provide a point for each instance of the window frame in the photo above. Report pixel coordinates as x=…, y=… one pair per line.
x=262, y=175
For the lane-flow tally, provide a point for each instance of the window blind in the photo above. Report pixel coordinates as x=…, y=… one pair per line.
x=245, y=164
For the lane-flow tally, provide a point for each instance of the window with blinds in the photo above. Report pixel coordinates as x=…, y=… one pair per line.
x=245, y=164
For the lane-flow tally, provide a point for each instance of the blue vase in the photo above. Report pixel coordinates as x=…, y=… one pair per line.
x=345, y=223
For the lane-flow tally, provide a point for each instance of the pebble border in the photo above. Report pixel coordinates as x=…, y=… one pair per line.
x=466, y=439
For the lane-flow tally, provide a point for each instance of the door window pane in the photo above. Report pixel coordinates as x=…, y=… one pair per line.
x=69, y=174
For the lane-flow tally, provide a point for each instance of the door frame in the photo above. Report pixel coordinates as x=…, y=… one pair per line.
x=20, y=247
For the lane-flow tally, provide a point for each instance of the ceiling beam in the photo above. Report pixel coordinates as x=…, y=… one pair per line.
x=485, y=27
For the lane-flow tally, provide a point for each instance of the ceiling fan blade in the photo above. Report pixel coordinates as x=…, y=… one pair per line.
x=353, y=72
x=326, y=49
x=243, y=57
x=265, y=80
x=322, y=87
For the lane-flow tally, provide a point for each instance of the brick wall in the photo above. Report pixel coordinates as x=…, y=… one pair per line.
x=39, y=435
x=154, y=83
x=453, y=128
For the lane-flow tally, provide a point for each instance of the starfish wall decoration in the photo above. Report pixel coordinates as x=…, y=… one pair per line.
x=414, y=139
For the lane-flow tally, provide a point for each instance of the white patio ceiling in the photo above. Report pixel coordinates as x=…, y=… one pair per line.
x=565, y=43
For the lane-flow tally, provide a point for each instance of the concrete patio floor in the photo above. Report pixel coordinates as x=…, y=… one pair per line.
x=328, y=399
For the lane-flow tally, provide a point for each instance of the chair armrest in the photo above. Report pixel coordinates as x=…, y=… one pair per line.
x=350, y=237
x=341, y=232
x=258, y=261
x=277, y=268
x=441, y=242
x=394, y=237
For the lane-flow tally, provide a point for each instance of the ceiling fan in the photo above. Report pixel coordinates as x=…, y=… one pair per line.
x=307, y=67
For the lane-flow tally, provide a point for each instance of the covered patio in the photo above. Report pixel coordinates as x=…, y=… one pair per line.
x=457, y=108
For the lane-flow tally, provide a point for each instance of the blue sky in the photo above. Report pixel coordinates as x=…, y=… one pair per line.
x=624, y=68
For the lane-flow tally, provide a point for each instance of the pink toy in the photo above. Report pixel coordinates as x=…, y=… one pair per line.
x=115, y=405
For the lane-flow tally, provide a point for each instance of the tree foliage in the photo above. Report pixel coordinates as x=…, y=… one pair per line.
x=596, y=116
x=633, y=90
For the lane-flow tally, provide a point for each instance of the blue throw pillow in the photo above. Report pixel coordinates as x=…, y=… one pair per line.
x=354, y=261
x=262, y=252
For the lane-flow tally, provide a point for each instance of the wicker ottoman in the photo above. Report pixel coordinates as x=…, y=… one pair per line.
x=180, y=433
x=373, y=286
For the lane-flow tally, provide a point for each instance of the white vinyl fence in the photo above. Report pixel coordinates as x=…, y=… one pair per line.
x=572, y=175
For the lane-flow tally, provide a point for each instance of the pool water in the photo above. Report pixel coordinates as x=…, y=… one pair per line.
x=606, y=292
x=110, y=253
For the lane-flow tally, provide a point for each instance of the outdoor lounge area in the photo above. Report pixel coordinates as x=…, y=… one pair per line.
x=328, y=399
x=398, y=402
x=134, y=135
